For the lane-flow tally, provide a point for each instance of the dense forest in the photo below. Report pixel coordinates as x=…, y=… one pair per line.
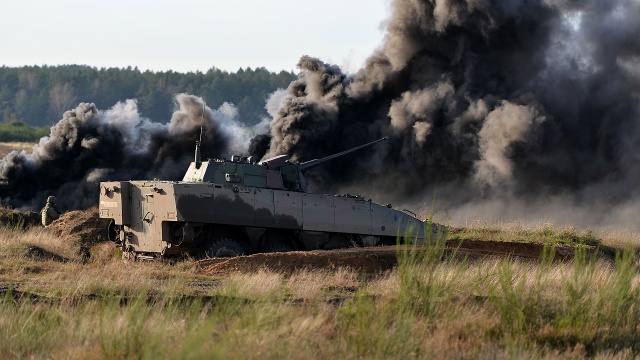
x=38, y=96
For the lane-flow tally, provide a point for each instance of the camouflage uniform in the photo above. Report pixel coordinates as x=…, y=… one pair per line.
x=49, y=212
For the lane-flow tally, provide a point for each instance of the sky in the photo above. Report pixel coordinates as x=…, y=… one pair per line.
x=190, y=35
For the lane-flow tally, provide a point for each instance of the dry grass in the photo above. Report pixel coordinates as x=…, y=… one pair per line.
x=263, y=283
x=52, y=266
x=7, y=147
x=306, y=284
x=429, y=307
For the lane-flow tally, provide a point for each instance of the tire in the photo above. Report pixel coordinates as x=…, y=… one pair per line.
x=277, y=241
x=223, y=247
x=113, y=232
x=278, y=247
x=388, y=241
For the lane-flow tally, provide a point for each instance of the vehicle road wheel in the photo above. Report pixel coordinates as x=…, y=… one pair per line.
x=223, y=247
x=277, y=241
x=278, y=247
x=113, y=232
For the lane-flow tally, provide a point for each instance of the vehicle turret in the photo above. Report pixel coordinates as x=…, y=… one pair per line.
x=274, y=173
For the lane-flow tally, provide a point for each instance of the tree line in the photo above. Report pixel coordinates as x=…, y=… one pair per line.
x=39, y=95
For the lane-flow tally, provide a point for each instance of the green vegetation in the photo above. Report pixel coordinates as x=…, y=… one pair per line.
x=516, y=232
x=40, y=95
x=436, y=304
x=19, y=131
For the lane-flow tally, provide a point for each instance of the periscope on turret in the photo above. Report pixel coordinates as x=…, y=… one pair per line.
x=240, y=206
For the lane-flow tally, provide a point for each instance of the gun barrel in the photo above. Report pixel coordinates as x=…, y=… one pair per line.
x=315, y=162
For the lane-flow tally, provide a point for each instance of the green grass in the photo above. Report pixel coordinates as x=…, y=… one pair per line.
x=434, y=305
x=18, y=131
x=516, y=232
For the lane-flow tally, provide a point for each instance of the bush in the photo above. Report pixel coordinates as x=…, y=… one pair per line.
x=19, y=131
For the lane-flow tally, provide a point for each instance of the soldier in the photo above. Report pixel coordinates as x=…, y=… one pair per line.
x=49, y=212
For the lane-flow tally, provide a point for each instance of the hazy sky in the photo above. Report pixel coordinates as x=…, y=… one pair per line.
x=189, y=35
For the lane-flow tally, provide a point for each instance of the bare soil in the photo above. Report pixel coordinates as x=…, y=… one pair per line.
x=37, y=253
x=377, y=259
x=366, y=260
x=84, y=225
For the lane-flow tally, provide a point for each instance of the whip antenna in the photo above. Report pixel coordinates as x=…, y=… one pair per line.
x=198, y=161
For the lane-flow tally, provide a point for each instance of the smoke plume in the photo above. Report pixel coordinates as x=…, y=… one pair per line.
x=88, y=146
x=505, y=109
x=508, y=110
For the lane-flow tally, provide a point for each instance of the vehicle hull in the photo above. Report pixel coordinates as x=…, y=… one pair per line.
x=173, y=217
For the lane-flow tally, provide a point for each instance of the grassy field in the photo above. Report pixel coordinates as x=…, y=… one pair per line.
x=432, y=305
x=7, y=147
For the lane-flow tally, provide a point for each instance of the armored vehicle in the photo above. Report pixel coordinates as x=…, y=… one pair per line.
x=240, y=206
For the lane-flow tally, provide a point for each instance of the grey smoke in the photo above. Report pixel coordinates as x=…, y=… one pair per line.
x=506, y=125
x=518, y=108
x=89, y=145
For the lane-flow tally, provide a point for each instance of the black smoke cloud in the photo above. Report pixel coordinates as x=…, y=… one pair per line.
x=496, y=108
x=88, y=146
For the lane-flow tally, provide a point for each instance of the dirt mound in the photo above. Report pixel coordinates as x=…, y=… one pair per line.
x=365, y=260
x=373, y=259
x=481, y=248
x=39, y=254
x=84, y=225
x=83, y=228
x=19, y=220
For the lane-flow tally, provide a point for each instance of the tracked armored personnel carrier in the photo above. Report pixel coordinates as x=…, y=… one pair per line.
x=240, y=206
